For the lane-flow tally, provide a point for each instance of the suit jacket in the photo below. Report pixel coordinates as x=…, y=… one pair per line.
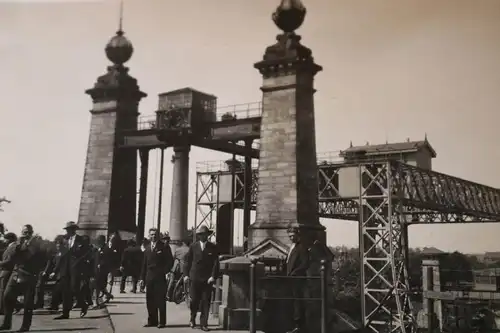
x=132, y=259
x=72, y=262
x=53, y=265
x=29, y=258
x=89, y=263
x=115, y=256
x=103, y=260
x=157, y=262
x=7, y=263
x=201, y=265
x=298, y=261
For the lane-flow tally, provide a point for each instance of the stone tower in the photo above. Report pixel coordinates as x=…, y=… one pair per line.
x=287, y=193
x=108, y=201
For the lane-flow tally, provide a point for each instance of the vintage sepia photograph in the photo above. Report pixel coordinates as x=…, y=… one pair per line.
x=275, y=166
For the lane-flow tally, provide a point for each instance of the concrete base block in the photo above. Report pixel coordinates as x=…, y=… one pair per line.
x=237, y=319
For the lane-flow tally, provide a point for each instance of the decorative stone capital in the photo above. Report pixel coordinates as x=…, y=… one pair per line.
x=288, y=55
x=116, y=84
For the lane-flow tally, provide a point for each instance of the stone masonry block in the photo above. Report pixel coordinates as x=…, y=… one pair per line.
x=287, y=146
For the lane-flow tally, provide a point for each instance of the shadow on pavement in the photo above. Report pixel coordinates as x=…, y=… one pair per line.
x=126, y=302
x=66, y=329
x=120, y=314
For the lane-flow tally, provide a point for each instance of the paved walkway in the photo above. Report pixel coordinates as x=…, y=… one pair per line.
x=128, y=315
x=96, y=321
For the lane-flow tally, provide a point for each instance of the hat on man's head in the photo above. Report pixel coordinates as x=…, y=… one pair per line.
x=203, y=230
x=10, y=236
x=71, y=225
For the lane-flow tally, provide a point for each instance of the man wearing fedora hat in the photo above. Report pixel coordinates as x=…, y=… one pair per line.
x=201, y=269
x=72, y=264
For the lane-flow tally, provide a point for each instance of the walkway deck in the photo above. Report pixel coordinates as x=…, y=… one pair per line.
x=128, y=315
x=96, y=321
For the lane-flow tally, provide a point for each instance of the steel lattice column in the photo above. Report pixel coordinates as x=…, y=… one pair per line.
x=383, y=246
x=207, y=200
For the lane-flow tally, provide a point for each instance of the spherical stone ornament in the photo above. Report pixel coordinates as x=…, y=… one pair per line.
x=289, y=15
x=119, y=49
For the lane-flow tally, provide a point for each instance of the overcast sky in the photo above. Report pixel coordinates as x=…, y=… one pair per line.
x=392, y=70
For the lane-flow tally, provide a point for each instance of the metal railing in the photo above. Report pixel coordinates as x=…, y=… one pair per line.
x=296, y=281
x=239, y=111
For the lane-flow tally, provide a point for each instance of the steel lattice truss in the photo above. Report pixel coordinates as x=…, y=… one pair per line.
x=385, y=197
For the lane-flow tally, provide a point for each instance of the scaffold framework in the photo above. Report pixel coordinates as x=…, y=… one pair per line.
x=390, y=196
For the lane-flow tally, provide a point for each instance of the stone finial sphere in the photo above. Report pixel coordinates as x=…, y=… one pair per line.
x=289, y=15
x=119, y=49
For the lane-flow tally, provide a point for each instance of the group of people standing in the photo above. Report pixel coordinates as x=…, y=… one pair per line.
x=78, y=269
x=80, y=272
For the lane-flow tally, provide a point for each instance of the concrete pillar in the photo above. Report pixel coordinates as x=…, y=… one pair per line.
x=288, y=182
x=109, y=190
x=432, y=308
x=180, y=196
x=288, y=173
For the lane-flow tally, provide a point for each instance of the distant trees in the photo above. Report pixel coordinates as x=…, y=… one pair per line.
x=3, y=200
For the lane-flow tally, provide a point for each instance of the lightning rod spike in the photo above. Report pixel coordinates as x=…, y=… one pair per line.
x=120, y=23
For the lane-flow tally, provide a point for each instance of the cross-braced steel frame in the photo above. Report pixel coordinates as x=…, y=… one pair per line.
x=208, y=192
x=386, y=198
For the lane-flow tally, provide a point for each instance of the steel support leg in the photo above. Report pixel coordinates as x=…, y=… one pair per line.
x=247, y=197
x=384, y=285
x=143, y=189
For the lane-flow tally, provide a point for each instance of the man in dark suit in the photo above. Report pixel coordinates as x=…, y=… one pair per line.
x=72, y=264
x=51, y=272
x=6, y=265
x=102, y=268
x=201, y=269
x=28, y=258
x=297, y=263
x=156, y=264
x=131, y=265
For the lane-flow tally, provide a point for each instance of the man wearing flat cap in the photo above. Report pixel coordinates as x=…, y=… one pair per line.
x=72, y=264
x=201, y=269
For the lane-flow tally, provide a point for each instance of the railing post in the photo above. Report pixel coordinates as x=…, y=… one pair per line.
x=253, y=296
x=324, y=296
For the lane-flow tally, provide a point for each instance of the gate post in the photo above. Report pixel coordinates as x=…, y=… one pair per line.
x=253, y=296
x=324, y=296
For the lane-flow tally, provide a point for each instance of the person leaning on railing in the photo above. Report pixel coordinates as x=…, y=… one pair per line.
x=297, y=263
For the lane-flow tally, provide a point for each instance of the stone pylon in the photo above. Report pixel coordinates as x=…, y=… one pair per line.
x=109, y=191
x=287, y=184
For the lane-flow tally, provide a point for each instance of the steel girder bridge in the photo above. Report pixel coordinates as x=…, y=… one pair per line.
x=385, y=196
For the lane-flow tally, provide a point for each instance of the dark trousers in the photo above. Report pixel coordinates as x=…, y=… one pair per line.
x=297, y=291
x=57, y=296
x=135, y=279
x=3, y=285
x=155, y=301
x=201, y=293
x=86, y=291
x=40, y=292
x=14, y=289
x=71, y=288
